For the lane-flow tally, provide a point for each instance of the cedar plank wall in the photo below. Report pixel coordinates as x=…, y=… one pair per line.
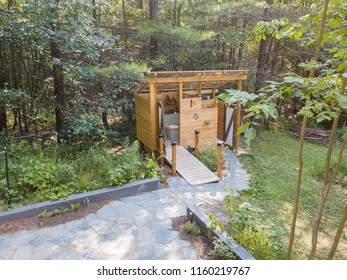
x=143, y=119
x=188, y=125
x=221, y=121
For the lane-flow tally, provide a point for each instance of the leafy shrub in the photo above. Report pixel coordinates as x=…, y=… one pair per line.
x=222, y=251
x=209, y=157
x=192, y=228
x=86, y=129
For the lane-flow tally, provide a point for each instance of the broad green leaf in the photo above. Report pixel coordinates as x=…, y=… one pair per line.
x=243, y=128
x=249, y=135
x=343, y=102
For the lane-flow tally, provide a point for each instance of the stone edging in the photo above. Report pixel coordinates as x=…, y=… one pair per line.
x=83, y=198
x=202, y=220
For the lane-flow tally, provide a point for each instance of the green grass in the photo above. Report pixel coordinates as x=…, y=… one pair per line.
x=273, y=164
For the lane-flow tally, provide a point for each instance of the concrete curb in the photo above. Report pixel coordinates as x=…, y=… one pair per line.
x=83, y=198
x=202, y=220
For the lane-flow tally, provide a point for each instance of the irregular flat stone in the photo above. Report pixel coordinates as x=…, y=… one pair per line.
x=145, y=237
x=63, y=241
x=144, y=253
x=46, y=251
x=171, y=212
x=116, y=204
x=100, y=226
x=77, y=226
x=168, y=201
x=23, y=253
x=67, y=255
x=178, y=243
x=108, y=213
x=189, y=254
x=120, y=248
x=162, y=193
x=161, y=250
x=142, y=218
x=125, y=232
x=158, y=224
x=36, y=242
x=165, y=236
x=87, y=239
x=125, y=220
x=20, y=240
x=129, y=210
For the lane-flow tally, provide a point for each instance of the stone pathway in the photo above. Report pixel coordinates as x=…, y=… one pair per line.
x=136, y=227
x=132, y=228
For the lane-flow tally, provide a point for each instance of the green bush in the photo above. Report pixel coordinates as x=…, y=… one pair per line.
x=192, y=228
x=49, y=171
x=209, y=157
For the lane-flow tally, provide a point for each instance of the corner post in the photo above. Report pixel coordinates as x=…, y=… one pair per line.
x=161, y=149
x=196, y=150
x=237, y=121
x=173, y=144
x=219, y=159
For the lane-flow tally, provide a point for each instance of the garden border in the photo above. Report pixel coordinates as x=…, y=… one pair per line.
x=202, y=220
x=130, y=189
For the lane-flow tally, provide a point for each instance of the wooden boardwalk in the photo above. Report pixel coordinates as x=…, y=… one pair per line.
x=190, y=168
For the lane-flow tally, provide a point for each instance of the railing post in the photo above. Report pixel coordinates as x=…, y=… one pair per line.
x=8, y=196
x=173, y=144
x=196, y=150
x=161, y=149
x=219, y=159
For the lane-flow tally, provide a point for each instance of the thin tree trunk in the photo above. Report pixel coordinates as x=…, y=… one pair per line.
x=259, y=76
x=343, y=219
x=58, y=81
x=125, y=22
x=241, y=47
x=153, y=41
x=179, y=14
x=302, y=138
x=326, y=187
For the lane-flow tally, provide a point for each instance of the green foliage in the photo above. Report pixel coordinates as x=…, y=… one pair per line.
x=86, y=129
x=192, y=228
x=209, y=157
x=132, y=167
x=42, y=217
x=50, y=172
x=222, y=251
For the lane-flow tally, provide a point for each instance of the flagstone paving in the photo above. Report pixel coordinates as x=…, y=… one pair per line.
x=133, y=228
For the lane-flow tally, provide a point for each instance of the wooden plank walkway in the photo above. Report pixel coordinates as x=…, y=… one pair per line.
x=190, y=168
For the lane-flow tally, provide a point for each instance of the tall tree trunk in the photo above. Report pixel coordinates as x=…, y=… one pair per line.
x=179, y=14
x=3, y=115
x=140, y=4
x=153, y=41
x=125, y=23
x=58, y=79
x=259, y=76
x=241, y=46
x=302, y=138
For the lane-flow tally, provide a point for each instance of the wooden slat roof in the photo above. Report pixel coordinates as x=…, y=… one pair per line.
x=193, y=79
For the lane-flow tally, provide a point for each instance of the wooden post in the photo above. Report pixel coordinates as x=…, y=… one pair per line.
x=161, y=149
x=219, y=159
x=237, y=121
x=153, y=116
x=173, y=144
x=196, y=150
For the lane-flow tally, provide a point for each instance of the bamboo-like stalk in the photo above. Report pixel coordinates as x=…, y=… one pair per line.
x=338, y=233
x=324, y=194
x=327, y=185
x=302, y=138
